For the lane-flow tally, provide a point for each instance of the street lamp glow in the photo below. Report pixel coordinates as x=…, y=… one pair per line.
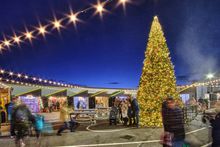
x=210, y=76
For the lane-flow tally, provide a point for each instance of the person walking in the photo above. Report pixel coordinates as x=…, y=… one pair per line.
x=173, y=123
x=71, y=125
x=9, y=109
x=21, y=122
x=135, y=110
x=38, y=124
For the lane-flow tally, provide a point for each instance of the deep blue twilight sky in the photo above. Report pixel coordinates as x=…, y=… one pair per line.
x=110, y=52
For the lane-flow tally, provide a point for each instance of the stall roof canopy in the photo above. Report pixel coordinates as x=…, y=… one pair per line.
x=46, y=92
x=116, y=93
x=57, y=93
x=83, y=92
x=18, y=89
x=2, y=85
x=99, y=93
x=29, y=92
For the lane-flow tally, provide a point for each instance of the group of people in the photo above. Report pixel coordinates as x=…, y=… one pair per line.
x=126, y=111
x=173, y=123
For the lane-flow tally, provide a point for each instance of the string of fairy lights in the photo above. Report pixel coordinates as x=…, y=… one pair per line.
x=34, y=81
x=56, y=24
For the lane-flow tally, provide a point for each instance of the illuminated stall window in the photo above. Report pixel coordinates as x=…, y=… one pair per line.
x=101, y=102
x=81, y=102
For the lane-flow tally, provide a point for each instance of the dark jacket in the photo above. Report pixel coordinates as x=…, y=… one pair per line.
x=135, y=105
x=173, y=122
x=215, y=123
x=130, y=112
x=26, y=112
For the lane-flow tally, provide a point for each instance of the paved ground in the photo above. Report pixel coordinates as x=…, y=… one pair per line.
x=198, y=135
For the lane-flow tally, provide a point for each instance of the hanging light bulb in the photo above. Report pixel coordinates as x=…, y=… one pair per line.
x=28, y=35
x=11, y=73
x=2, y=71
x=99, y=8
x=42, y=30
x=7, y=43
x=19, y=75
x=73, y=18
x=57, y=24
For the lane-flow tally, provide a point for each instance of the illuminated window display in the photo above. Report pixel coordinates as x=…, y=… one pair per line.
x=101, y=102
x=34, y=103
x=56, y=102
x=81, y=102
x=4, y=97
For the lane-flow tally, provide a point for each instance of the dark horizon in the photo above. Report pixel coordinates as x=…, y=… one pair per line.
x=110, y=52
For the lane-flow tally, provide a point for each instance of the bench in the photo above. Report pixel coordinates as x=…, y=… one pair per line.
x=85, y=116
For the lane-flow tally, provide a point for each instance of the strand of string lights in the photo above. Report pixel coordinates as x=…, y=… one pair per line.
x=35, y=79
x=24, y=79
x=56, y=24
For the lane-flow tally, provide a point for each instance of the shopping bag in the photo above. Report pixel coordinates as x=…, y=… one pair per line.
x=166, y=138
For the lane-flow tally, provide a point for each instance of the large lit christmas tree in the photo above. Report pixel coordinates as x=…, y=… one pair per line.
x=158, y=78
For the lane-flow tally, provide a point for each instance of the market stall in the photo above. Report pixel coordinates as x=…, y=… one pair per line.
x=56, y=100
x=32, y=99
x=101, y=100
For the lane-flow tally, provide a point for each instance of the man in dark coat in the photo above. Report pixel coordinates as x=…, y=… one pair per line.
x=173, y=122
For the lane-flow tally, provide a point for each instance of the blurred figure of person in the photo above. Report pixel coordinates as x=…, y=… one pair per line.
x=38, y=124
x=124, y=110
x=71, y=125
x=120, y=111
x=113, y=116
x=213, y=116
x=9, y=108
x=135, y=110
x=173, y=122
x=58, y=105
x=129, y=113
x=21, y=122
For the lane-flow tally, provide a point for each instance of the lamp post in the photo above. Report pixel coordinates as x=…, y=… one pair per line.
x=210, y=76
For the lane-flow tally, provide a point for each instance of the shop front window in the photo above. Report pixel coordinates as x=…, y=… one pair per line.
x=81, y=102
x=33, y=103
